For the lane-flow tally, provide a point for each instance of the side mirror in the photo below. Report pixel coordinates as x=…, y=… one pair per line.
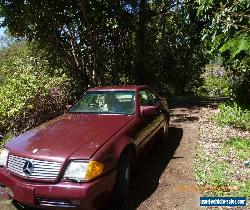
x=147, y=110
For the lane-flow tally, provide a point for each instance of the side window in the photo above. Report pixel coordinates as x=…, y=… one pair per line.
x=153, y=99
x=143, y=98
x=147, y=98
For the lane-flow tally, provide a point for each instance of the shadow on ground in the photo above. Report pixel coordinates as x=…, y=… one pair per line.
x=179, y=118
x=179, y=102
x=145, y=178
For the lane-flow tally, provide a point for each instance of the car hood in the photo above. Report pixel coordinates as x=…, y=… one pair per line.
x=58, y=139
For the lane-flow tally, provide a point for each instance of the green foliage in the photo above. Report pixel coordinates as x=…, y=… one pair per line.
x=216, y=177
x=241, y=43
x=227, y=34
x=212, y=177
x=28, y=94
x=238, y=145
x=216, y=83
x=179, y=59
x=214, y=86
x=233, y=115
x=114, y=42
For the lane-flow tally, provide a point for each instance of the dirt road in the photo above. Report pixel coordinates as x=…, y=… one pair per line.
x=165, y=178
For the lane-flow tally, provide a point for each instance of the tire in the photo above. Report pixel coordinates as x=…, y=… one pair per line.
x=123, y=176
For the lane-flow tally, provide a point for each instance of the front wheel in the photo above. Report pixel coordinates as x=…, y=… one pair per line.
x=123, y=176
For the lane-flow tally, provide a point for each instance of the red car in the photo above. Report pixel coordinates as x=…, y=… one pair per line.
x=83, y=158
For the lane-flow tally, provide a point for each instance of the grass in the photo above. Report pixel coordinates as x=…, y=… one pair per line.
x=234, y=115
x=239, y=146
x=217, y=177
x=212, y=177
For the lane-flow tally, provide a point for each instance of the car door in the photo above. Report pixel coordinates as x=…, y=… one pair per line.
x=150, y=119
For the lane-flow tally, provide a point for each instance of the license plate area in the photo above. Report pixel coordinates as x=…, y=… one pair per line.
x=24, y=194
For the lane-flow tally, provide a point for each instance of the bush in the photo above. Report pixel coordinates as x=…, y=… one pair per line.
x=214, y=86
x=215, y=82
x=241, y=88
x=233, y=115
x=29, y=94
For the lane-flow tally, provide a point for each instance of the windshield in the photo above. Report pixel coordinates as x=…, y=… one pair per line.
x=106, y=102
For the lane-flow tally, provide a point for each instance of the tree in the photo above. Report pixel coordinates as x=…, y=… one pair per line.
x=227, y=34
x=113, y=42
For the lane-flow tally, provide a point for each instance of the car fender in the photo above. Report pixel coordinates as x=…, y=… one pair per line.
x=109, y=154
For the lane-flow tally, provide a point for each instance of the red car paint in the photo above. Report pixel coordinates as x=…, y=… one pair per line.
x=74, y=136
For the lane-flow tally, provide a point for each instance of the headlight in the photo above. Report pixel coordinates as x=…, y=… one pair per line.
x=4, y=157
x=83, y=170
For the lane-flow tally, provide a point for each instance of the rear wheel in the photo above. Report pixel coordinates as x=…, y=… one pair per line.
x=123, y=176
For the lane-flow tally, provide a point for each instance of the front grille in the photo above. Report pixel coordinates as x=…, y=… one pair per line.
x=42, y=169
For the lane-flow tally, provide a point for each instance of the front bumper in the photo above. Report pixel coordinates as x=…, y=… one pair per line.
x=60, y=195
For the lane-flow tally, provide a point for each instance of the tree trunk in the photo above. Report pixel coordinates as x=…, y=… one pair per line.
x=97, y=76
x=140, y=61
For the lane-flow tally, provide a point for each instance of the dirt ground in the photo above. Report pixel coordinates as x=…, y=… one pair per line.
x=165, y=178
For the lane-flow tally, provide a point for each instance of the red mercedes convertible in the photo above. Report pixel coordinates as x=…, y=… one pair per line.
x=83, y=159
